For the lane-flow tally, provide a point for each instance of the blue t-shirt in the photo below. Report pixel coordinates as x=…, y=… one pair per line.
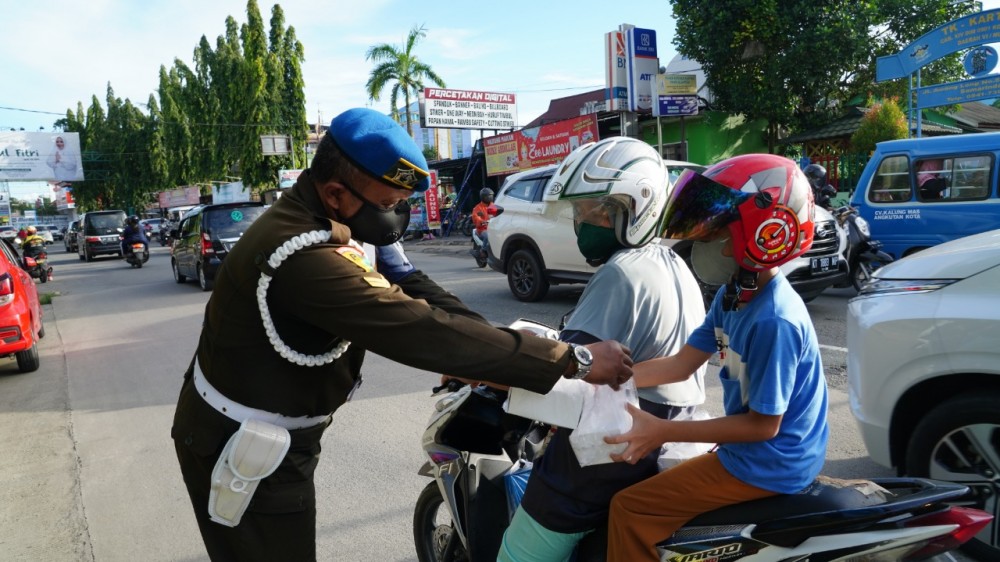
x=771, y=364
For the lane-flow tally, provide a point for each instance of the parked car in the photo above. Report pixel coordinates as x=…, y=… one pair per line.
x=205, y=236
x=100, y=234
x=924, y=369
x=70, y=238
x=533, y=242
x=20, y=311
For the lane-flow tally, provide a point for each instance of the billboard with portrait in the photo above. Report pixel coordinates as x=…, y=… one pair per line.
x=40, y=156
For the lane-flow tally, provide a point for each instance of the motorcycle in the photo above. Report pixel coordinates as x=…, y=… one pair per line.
x=35, y=261
x=473, y=445
x=164, y=236
x=136, y=254
x=864, y=255
x=480, y=246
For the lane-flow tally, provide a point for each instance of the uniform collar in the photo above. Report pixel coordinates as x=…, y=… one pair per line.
x=304, y=193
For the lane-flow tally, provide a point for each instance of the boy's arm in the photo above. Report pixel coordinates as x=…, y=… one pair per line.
x=650, y=432
x=674, y=368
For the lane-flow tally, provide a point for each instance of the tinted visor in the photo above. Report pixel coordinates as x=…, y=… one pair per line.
x=699, y=208
x=599, y=211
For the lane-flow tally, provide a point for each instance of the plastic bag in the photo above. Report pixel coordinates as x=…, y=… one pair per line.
x=516, y=481
x=604, y=413
x=672, y=454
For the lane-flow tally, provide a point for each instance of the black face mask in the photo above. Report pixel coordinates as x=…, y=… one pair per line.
x=375, y=225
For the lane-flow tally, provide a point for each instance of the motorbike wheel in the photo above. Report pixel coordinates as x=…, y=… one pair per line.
x=861, y=273
x=480, y=260
x=434, y=532
x=957, y=442
x=43, y=278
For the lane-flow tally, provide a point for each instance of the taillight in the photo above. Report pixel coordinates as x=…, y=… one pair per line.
x=6, y=289
x=30, y=262
x=206, y=244
x=92, y=239
x=968, y=522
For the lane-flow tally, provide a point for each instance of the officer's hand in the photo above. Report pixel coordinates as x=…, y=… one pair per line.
x=612, y=363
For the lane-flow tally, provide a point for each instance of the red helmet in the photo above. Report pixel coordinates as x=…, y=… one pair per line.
x=763, y=199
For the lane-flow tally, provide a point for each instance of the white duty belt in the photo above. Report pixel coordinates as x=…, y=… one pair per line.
x=240, y=413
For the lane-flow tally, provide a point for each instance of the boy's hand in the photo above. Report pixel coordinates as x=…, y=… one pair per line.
x=644, y=437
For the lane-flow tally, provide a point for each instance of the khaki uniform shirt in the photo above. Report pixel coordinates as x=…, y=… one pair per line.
x=324, y=293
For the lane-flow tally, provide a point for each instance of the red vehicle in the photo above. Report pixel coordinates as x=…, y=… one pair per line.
x=20, y=312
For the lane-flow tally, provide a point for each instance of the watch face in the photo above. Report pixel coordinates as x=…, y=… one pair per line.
x=583, y=355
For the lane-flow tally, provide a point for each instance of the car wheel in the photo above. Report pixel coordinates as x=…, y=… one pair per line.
x=204, y=282
x=178, y=277
x=28, y=360
x=86, y=255
x=525, y=277
x=959, y=441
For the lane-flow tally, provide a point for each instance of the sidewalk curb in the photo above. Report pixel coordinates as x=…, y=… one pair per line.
x=439, y=246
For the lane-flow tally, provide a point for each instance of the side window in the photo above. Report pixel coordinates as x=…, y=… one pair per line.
x=523, y=189
x=962, y=178
x=891, y=182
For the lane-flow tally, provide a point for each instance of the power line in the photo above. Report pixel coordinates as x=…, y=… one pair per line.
x=30, y=110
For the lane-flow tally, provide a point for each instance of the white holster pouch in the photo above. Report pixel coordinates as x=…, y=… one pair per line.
x=252, y=454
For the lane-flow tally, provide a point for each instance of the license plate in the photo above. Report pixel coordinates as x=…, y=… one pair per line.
x=821, y=265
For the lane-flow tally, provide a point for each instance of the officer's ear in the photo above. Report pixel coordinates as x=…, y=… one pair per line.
x=331, y=194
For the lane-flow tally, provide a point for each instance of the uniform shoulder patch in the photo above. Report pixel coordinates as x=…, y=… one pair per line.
x=355, y=256
x=380, y=282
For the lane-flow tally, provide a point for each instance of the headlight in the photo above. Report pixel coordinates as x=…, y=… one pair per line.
x=863, y=227
x=893, y=286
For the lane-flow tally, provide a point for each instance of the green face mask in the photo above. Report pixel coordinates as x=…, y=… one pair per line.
x=596, y=243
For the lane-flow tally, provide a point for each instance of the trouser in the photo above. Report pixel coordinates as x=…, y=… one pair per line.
x=652, y=510
x=280, y=523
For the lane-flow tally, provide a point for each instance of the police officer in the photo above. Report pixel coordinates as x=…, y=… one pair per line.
x=296, y=305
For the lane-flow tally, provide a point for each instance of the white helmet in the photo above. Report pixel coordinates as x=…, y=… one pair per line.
x=627, y=175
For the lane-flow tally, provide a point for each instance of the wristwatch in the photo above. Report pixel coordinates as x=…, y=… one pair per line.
x=584, y=361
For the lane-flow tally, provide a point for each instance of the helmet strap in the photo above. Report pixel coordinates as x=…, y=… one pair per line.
x=740, y=289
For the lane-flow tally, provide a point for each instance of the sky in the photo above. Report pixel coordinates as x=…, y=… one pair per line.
x=56, y=53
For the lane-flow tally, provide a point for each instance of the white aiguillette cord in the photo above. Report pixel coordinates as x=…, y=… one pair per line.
x=280, y=255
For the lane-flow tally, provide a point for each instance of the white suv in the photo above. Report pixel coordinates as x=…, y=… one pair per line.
x=533, y=242
x=924, y=370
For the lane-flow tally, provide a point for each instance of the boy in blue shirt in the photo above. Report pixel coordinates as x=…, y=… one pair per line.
x=747, y=215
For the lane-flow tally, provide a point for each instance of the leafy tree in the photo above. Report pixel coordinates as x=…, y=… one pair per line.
x=400, y=67
x=883, y=121
x=795, y=63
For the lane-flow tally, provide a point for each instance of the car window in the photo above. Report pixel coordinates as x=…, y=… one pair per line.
x=891, y=181
x=231, y=222
x=105, y=223
x=962, y=178
x=527, y=189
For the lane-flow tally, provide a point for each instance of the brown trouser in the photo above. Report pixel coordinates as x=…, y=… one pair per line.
x=650, y=511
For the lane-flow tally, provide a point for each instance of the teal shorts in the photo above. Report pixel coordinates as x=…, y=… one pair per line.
x=528, y=541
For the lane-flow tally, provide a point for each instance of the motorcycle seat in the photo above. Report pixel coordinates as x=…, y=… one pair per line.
x=823, y=495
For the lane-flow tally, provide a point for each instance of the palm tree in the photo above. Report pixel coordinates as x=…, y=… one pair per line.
x=402, y=67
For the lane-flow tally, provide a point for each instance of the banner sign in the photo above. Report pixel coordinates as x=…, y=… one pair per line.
x=63, y=197
x=184, y=195
x=432, y=203
x=287, y=178
x=957, y=35
x=467, y=109
x=642, y=66
x=229, y=193
x=40, y=156
x=539, y=146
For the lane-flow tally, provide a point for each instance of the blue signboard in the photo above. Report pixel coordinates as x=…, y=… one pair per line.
x=957, y=35
x=957, y=92
x=676, y=106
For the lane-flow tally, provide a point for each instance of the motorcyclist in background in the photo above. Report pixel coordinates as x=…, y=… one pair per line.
x=32, y=244
x=133, y=233
x=481, y=215
x=823, y=192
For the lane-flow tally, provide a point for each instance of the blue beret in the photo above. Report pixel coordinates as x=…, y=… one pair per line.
x=380, y=146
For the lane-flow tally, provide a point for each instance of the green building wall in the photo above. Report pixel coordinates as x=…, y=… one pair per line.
x=711, y=136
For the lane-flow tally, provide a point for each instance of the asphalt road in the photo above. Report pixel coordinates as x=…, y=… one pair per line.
x=88, y=470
